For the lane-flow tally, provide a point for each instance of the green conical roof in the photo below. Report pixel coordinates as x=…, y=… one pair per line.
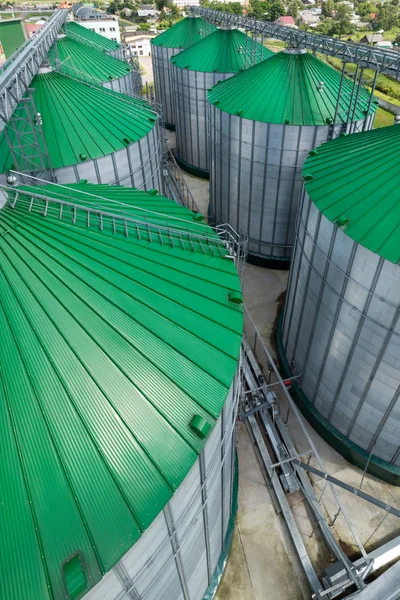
x=89, y=36
x=355, y=183
x=110, y=344
x=185, y=33
x=224, y=51
x=287, y=89
x=80, y=61
x=81, y=122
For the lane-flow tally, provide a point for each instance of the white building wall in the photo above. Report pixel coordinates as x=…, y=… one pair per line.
x=109, y=28
x=140, y=46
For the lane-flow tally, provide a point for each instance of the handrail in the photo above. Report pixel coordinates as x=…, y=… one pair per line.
x=377, y=59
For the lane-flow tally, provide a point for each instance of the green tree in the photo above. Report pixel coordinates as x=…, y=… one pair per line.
x=343, y=19
x=293, y=9
x=328, y=8
x=258, y=10
x=364, y=9
x=276, y=10
x=387, y=16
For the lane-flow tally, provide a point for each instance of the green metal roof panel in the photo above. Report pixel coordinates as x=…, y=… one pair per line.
x=224, y=51
x=287, y=89
x=80, y=60
x=90, y=36
x=355, y=183
x=79, y=120
x=184, y=34
x=111, y=345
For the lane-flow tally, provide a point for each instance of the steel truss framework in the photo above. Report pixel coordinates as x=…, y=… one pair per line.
x=384, y=61
x=18, y=72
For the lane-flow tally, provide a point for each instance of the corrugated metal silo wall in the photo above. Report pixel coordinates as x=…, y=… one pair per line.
x=137, y=165
x=123, y=85
x=117, y=53
x=255, y=177
x=162, y=71
x=178, y=555
x=190, y=91
x=341, y=331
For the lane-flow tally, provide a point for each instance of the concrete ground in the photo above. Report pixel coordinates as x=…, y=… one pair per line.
x=263, y=564
x=147, y=65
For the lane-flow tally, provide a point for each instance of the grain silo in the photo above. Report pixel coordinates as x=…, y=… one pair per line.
x=89, y=65
x=263, y=123
x=118, y=434
x=180, y=36
x=195, y=70
x=89, y=133
x=341, y=328
x=91, y=38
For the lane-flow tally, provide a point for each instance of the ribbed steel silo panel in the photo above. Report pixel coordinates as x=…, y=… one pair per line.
x=163, y=80
x=256, y=177
x=151, y=565
x=111, y=588
x=190, y=91
x=137, y=166
x=177, y=555
x=185, y=505
x=341, y=332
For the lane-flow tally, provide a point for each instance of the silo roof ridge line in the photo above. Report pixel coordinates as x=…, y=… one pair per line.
x=282, y=78
x=224, y=51
x=87, y=60
x=184, y=34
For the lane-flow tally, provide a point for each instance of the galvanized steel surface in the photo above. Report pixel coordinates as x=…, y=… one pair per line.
x=162, y=70
x=113, y=344
x=255, y=176
x=195, y=71
x=341, y=332
x=190, y=93
x=182, y=35
x=177, y=556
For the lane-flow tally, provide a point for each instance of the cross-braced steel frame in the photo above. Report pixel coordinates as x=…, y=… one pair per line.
x=18, y=71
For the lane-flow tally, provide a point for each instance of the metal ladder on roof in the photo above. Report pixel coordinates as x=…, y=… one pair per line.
x=144, y=229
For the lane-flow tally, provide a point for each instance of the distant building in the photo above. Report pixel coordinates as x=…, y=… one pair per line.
x=372, y=38
x=384, y=44
x=147, y=11
x=97, y=21
x=183, y=3
x=309, y=18
x=286, y=21
x=32, y=28
x=141, y=45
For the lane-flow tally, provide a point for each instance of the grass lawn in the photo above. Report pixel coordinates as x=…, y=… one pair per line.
x=387, y=98
x=384, y=84
x=383, y=118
